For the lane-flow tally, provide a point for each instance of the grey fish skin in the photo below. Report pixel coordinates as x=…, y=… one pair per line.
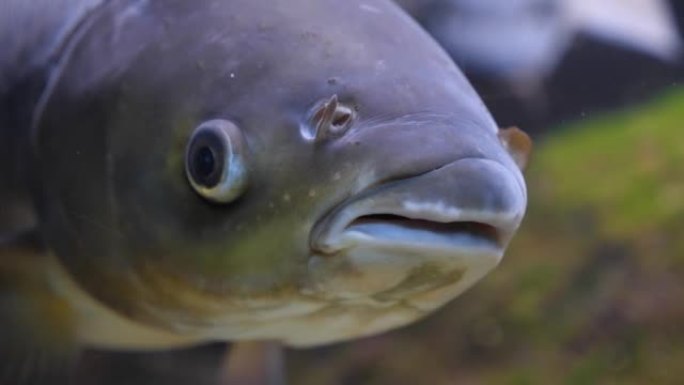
x=25, y=60
x=370, y=185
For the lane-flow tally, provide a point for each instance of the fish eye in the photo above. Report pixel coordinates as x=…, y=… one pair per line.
x=214, y=161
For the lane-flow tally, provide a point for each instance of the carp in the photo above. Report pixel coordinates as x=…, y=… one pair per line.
x=187, y=172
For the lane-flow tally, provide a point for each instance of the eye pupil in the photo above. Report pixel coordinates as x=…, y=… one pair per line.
x=205, y=162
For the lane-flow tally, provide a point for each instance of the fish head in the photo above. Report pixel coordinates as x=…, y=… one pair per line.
x=292, y=170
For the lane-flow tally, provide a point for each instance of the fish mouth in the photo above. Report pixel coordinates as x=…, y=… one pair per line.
x=428, y=232
x=458, y=217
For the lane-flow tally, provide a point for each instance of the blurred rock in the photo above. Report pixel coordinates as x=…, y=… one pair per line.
x=524, y=40
x=538, y=63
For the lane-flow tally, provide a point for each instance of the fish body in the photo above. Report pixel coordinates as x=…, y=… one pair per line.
x=293, y=170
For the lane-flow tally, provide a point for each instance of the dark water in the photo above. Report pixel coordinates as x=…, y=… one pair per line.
x=593, y=77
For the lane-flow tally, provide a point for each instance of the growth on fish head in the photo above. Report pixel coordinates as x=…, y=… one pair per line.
x=285, y=169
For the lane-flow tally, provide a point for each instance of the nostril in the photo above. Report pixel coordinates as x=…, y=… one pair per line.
x=342, y=118
x=328, y=119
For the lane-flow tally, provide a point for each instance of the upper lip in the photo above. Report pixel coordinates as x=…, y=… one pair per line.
x=461, y=207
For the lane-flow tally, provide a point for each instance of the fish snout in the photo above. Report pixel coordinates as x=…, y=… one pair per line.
x=453, y=221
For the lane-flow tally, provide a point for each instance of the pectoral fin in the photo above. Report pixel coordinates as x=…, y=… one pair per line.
x=37, y=337
x=518, y=144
